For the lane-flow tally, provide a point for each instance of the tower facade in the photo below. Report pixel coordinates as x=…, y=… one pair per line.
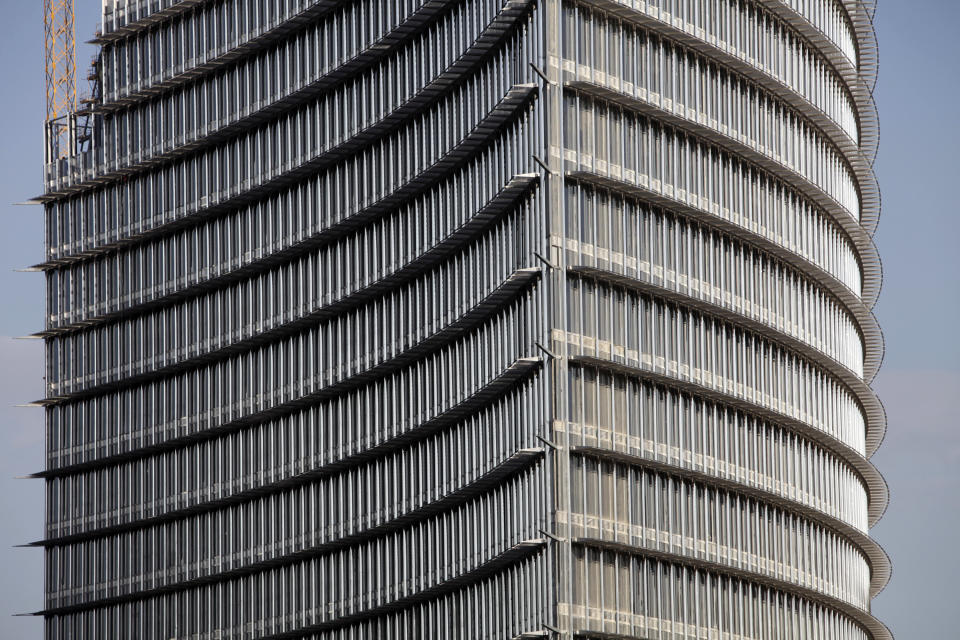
x=467, y=319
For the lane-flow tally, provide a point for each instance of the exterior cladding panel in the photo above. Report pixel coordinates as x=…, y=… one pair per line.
x=467, y=319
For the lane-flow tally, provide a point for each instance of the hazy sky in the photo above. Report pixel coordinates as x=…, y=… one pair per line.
x=918, y=96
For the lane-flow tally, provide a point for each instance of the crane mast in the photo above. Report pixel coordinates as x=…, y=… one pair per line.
x=61, y=81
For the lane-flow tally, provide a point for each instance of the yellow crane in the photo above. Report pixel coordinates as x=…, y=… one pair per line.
x=61, y=74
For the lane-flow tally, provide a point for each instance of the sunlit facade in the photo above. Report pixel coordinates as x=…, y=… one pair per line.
x=466, y=319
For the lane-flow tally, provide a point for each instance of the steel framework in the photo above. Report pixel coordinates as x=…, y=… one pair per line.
x=61, y=73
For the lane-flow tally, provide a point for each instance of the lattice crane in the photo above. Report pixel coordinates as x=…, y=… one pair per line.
x=61, y=75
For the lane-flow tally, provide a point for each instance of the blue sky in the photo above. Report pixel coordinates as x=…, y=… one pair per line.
x=918, y=94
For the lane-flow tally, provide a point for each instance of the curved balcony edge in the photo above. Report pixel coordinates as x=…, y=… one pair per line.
x=515, y=282
x=508, y=467
x=487, y=128
x=495, y=564
x=843, y=218
x=859, y=81
x=876, y=629
x=881, y=568
x=860, y=161
x=507, y=199
x=878, y=494
x=851, y=302
x=148, y=21
x=474, y=55
x=515, y=370
x=865, y=396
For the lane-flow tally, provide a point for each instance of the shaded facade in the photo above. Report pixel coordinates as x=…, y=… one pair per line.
x=467, y=319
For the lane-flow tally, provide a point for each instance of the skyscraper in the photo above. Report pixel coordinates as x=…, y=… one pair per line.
x=466, y=319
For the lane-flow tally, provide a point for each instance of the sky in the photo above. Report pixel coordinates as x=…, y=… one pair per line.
x=918, y=93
